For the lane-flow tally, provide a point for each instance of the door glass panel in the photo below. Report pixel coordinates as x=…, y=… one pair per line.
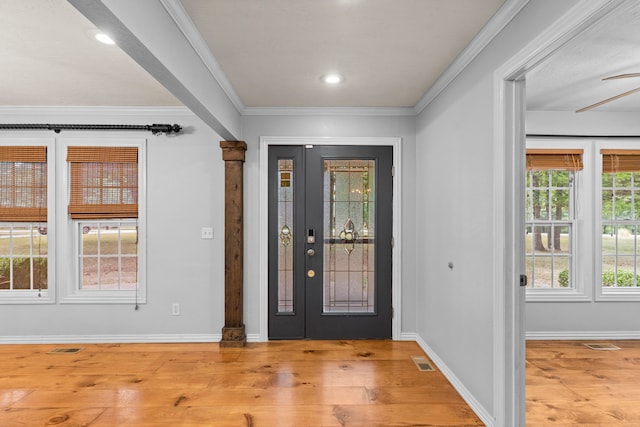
x=349, y=236
x=285, y=236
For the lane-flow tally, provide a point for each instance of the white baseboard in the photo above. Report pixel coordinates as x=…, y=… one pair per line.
x=583, y=335
x=482, y=413
x=94, y=339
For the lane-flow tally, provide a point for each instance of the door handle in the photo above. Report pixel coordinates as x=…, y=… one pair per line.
x=311, y=252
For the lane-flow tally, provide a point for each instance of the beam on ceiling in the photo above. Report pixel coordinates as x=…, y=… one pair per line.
x=148, y=34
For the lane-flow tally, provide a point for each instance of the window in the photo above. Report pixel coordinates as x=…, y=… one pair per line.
x=619, y=221
x=24, y=243
x=550, y=217
x=583, y=219
x=105, y=215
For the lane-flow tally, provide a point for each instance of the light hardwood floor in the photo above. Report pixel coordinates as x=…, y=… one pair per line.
x=570, y=385
x=275, y=384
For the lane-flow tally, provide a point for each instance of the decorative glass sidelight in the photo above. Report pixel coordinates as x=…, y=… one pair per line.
x=285, y=230
x=349, y=236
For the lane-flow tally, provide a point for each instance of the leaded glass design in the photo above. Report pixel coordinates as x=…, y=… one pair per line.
x=349, y=236
x=285, y=236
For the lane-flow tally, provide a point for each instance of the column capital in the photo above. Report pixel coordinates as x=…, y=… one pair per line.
x=233, y=150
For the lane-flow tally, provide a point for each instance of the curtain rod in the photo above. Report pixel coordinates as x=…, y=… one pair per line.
x=544, y=135
x=154, y=128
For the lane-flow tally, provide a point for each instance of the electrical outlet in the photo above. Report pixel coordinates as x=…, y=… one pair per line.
x=175, y=309
x=207, y=233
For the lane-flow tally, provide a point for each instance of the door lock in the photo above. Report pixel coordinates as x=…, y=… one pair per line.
x=311, y=252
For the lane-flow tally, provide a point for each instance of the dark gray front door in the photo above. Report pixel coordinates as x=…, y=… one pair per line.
x=330, y=242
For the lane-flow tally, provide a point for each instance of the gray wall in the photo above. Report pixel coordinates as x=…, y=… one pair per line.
x=181, y=267
x=455, y=209
x=591, y=319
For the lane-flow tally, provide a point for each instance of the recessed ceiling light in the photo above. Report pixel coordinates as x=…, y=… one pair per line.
x=332, y=78
x=103, y=38
x=96, y=34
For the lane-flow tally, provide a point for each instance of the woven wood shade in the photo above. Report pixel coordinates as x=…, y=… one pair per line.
x=614, y=161
x=554, y=159
x=104, y=182
x=23, y=184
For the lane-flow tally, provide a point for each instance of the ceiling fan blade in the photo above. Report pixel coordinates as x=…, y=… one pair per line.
x=622, y=76
x=613, y=98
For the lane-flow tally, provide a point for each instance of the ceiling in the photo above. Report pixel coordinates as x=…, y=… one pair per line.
x=273, y=53
x=572, y=78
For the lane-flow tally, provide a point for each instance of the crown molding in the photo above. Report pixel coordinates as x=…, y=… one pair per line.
x=503, y=16
x=328, y=111
x=93, y=111
x=184, y=22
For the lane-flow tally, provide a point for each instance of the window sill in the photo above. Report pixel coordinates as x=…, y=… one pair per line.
x=27, y=297
x=619, y=295
x=104, y=297
x=556, y=295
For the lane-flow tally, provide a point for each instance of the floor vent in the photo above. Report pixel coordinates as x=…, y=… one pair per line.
x=602, y=347
x=422, y=363
x=64, y=350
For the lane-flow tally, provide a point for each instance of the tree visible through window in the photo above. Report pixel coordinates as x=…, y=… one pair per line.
x=550, y=217
x=620, y=218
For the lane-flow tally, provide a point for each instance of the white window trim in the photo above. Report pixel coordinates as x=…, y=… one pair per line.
x=47, y=296
x=70, y=291
x=582, y=241
x=602, y=293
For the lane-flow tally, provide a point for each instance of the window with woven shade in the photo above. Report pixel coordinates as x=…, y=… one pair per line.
x=24, y=253
x=550, y=217
x=103, y=182
x=23, y=184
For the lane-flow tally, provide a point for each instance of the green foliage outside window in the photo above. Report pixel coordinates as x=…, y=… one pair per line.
x=22, y=272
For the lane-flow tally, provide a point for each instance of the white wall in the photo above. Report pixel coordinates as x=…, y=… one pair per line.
x=181, y=267
x=253, y=127
x=455, y=210
x=590, y=319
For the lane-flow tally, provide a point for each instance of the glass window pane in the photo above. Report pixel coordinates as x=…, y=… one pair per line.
x=109, y=273
x=5, y=273
x=561, y=272
x=540, y=204
x=286, y=230
x=21, y=273
x=560, y=178
x=560, y=204
x=623, y=204
x=529, y=271
x=129, y=240
x=607, y=204
x=543, y=274
x=623, y=179
x=90, y=277
x=349, y=224
x=21, y=238
x=607, y=180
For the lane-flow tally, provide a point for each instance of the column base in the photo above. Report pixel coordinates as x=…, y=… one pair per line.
x=233, y=337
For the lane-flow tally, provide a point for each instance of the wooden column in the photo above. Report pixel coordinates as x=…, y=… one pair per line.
x=233, y=333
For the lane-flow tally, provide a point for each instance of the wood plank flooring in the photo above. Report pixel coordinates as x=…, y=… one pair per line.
x=570, y=385
x=282, y=383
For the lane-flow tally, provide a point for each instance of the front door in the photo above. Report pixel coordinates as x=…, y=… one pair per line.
x=330, y=242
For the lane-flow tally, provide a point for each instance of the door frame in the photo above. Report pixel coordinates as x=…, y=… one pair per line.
x=396, y=266
x=508, y=219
